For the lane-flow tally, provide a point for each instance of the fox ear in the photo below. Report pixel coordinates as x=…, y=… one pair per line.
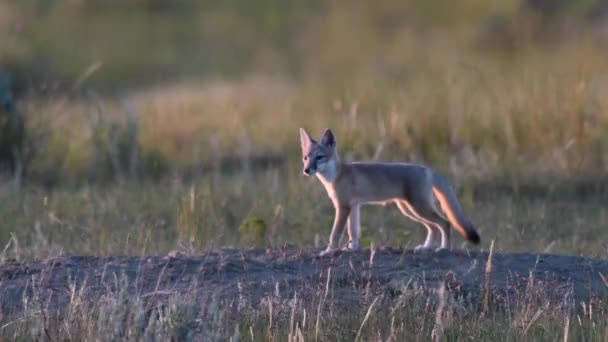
x=305, y=139
x=328, y=138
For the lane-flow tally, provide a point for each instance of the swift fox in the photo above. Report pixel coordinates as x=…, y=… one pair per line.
x=413, y=188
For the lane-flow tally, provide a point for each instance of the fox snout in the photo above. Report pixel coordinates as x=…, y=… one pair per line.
x=310, y=166
x=309, y=170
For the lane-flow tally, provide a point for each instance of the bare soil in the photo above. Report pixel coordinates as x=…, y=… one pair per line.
x=252, y=275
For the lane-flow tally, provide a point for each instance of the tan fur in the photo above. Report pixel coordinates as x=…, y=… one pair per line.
x=413, y=188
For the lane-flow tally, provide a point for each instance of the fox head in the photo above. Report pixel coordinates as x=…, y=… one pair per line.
x=321, y=156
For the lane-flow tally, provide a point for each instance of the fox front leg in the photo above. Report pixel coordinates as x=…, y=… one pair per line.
x=354, y=230
x=340, y=219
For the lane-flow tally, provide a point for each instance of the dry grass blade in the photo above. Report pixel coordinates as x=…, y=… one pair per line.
x=536, y=316
x=440, y=319
x=367, y=315
x=369, y=271
x=566, y=328
x=486, y=299
x=604, y=280
x=292, y=324
x=321, y=303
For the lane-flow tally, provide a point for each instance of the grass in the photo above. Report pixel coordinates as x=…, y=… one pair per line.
x=119, y=169
x=481, y=123
x=271, y=208
x=417, y=84
x=418, y=312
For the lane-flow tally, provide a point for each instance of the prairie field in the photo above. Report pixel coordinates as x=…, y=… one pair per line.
x=170, y=130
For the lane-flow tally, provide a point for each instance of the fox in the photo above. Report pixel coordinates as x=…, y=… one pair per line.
x=413, y=188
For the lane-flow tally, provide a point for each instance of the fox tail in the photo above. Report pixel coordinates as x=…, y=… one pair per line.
x=453, y=210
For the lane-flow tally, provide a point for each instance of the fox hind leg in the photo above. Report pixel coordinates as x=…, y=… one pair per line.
x=407, y=211
x=426, y=211
x=426, y=214
x=444, y=228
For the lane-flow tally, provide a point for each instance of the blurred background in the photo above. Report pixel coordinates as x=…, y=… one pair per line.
x=144, y=126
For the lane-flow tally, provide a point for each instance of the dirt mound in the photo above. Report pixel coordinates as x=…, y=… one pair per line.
x=254, y=274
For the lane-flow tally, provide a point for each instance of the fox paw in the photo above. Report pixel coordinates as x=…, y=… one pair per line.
x=351, y=246
x=421, y=248
x=439, y=249
x=328, y=251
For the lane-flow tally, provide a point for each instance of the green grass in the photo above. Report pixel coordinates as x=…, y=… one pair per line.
x=271, y=208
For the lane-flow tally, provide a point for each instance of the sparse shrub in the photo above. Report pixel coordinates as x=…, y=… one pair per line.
x=253, y=231
x=154, y=164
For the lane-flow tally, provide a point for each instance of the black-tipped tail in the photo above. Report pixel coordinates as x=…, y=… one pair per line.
x=473, y=237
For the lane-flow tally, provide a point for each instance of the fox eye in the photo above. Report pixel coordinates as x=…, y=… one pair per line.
x=319, y=158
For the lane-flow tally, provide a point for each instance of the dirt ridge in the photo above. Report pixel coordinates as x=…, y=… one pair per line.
x=254, y=274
